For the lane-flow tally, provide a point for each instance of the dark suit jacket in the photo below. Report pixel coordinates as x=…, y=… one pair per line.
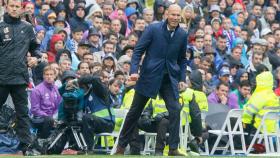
x=162, y=53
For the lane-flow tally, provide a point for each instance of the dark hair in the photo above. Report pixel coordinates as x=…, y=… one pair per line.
x=117, y=73
x=87, y=54
x=111, y=81
x=95, y=64
x=222, y=37
x=245, y=83
x=222, y=83
x=112, y=34
x=82, y=62
x=108, y=42
x=199, y=37
x=106, y=22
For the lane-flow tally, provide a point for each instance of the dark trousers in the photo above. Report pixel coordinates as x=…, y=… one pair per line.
x=44, y=126
x=19, y=96
x=251, y=130
x=159, y=127
x=93, y=124
x=138, y=104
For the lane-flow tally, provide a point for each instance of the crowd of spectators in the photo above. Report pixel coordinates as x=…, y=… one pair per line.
x=229, y=41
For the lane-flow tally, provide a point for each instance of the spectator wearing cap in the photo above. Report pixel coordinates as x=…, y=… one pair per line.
x=109, y=64
x=241, y=75
x=40, y=33
x=94, y=39
x=56, y=43
x=209, y=52
x=223, y=76
x=238, y=19
x=126, y=52
x=159, y=8
x=60, y=11
x=135, y=4
x=239, y=42
x=59, y=23
x=79, y=19
x=63, y=53
x=219, y=95
x=83, y=47
x=261, y=46
x=49, y=18
x=215, y=12
x=94, y=11
x=132, y=15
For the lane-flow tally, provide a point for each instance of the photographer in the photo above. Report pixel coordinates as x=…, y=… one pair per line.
x=100, y=116
x=73, y=98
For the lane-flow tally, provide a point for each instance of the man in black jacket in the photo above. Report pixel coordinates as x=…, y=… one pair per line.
x=17, y=38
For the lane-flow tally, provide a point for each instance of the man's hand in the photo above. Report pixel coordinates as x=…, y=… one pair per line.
x=133, y=77
x=130, y=83
x=32, y=61
x=224, y=99
x=182, y=86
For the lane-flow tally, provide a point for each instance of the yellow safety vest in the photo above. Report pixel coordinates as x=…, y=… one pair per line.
x=262, y=100
x=200, y=99
x=158, y=106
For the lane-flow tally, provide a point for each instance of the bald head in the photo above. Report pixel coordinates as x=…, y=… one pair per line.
x=174, y=16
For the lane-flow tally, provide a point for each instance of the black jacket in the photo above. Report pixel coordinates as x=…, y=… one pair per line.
x=16, y=39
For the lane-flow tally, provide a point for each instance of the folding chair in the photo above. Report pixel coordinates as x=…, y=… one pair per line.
x=227, y=130
x=186, y=135
x=150, y=138
x=119, y=113
x=271, y=139
x=203, y=117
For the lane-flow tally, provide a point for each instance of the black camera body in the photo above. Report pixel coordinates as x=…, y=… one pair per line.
x=71, y=105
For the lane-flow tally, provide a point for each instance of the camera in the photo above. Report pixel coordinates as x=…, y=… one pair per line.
x=72, y=102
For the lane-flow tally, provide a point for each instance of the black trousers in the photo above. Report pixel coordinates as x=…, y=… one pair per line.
x=93, y=124
x=19, y=97
x=159, y=127
x=44, y=126
x=138, y=104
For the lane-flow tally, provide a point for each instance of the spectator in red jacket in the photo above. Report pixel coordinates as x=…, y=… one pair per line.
x=56, y=44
